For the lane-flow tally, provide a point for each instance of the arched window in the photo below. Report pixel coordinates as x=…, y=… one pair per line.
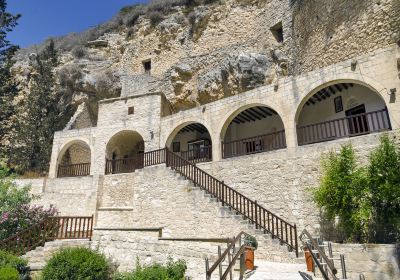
x=252, y=130
x=74, y=160
x=124, y=152
x=191, y=141
x=341, y=110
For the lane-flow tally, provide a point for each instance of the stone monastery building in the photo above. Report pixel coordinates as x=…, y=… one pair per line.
x=265, y=144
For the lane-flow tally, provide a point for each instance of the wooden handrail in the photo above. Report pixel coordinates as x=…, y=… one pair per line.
x=263, y=219
x=50, y=229
x=74, y=170
x=256, y=144
x=202, y=154
x=344, y=127
x=312, y=245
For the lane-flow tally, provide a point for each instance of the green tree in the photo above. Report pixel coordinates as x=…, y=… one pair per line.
x=40, y=114
x=384, y=187
x=8, y=85
x=342, y=193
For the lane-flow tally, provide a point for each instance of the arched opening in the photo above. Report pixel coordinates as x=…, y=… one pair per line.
x=192, y=142
x=341, y=110
x=124, y=152
x=252, y=130
x=74, y=160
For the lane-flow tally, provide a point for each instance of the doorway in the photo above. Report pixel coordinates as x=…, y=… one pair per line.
x=357, y=120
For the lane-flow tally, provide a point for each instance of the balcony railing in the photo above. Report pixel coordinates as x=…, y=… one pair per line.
x=344, y=127
x=252, y=145
x=203, y=154
x=73, y=170
x=128, y=165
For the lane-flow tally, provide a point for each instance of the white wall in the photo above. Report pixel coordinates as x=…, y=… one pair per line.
x=352, y=97
x=186, y=137
x=250, y=129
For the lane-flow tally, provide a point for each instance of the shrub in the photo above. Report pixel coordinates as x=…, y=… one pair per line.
x=16, y=211
x=174, y=270
x=79, y=52
x=9, y=273
x=155, y=18
x=366, y=200
x=8, y=260
x=251, y=241
x=76, y=263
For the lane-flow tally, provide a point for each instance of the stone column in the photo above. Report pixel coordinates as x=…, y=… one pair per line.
x=290, y=133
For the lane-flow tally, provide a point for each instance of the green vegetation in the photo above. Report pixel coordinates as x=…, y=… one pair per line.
x=172, y=271
x=76, y=263
x=12, y=267
x=251, y=241
x=9, y=273
x=365, y=199
x=8, y=85
x=41, y=114
x=16, y=209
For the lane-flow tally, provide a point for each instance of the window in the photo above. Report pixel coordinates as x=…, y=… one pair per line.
x=277, y=31
x=176, y=147
x=131, y=110
x=147, y=66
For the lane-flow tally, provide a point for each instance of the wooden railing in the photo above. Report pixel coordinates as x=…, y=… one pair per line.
x=325, y=264
x=203, y=154
x=232, y=255
x=263, y=219
x=252, y=145
x=344, y=127
x=128, y=165
x=48, y=230
x=73, y=170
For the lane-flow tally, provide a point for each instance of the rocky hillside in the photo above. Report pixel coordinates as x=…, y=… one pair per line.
x=197, y=51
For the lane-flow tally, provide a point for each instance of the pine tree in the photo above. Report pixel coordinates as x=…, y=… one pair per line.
x=8, y=85
x=40, y=114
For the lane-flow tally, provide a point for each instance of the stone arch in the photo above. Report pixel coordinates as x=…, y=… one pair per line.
x=192, y=139
x=251, y=128
x=125, y=144
x=341, y=108
x=74, y=159
x=80, y=145
x=365, y=81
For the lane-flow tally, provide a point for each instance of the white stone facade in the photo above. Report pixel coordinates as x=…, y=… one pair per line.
x=279, y=180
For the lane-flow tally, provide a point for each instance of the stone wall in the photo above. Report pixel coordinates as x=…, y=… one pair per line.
x=282, y=181
x=126, y=248
x=327, y=32
x=375, y=261
x=71, y=196
x=156, y=197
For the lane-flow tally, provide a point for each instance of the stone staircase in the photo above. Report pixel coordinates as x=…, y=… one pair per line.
x=37, y=258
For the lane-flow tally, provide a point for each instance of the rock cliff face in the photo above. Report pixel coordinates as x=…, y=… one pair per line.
x=197, y=54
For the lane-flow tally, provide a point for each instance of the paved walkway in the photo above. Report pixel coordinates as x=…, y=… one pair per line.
x=276, y=271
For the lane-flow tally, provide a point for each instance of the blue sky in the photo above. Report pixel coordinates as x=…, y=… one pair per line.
x=45, y=18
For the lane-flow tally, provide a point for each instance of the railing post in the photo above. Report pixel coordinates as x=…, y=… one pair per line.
x=255, y=212
x=208, y=277
x=166, y=157
x=295, y=241
x=222, y=193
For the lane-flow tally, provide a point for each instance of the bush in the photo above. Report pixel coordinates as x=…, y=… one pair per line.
x=9, y=273
x=79, y=52
x=76, y=263
x=8, y=260
x=16, y=209
x=365, y=199
x=155, y=18
x=172, y=271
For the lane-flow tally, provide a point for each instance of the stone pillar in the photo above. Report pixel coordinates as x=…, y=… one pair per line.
x=53, y=160
x=216, y=149
x=290, y=133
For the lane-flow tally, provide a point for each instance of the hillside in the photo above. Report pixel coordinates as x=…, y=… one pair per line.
x=198, y=51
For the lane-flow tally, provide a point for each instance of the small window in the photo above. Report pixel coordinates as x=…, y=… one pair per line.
x=131, y=110
x=176, y=147
x=147, y=66
x=277, y=31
